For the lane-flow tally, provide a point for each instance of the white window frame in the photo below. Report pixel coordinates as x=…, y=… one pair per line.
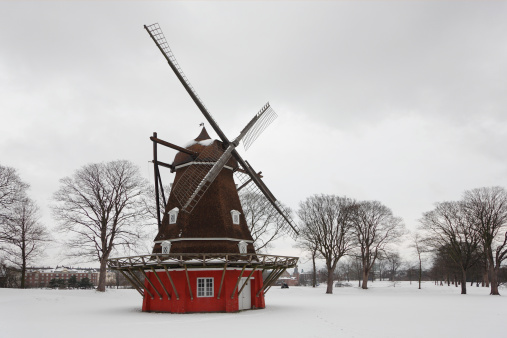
x=166, y=245
x=243, y=247
x=206, y=289
x=235, y=216
x=173, y=215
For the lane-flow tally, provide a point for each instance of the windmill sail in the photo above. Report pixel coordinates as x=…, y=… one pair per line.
x=158, y=37
x=257, y=125
x=208, y=165
x=190, y=188
x=196, y=188
x=256, y=197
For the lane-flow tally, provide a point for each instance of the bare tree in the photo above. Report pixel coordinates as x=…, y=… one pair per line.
x=420, y=248
x=448, y=228
x=487, y=207
x=26, y=237
x=150, y=203
x=12, y=191
x=308, y=243
x=102, y=207
x=374, y=228
x=381, y=264
x=327, y=222
x=265, y=224
x=394, y=262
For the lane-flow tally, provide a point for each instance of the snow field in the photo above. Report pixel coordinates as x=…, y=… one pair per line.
x=380, y=311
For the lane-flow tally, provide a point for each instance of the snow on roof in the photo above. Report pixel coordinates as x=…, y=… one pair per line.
x=202, y=142
x=60, y=269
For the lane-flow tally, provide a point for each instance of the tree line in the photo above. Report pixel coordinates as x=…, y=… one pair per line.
x=23, y=237
x=467, y=239
x=469, y=234
x=106, y=208
x=102, y=207
x=332, y=227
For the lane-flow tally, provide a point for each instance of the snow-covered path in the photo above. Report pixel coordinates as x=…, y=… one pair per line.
x=381, y=311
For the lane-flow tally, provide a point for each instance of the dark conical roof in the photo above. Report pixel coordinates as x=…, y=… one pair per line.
x=209, y=226
x=203, y=135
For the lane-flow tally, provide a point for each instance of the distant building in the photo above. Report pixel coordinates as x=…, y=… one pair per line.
x=40, y=278
x=287, y=278
x=305, y=278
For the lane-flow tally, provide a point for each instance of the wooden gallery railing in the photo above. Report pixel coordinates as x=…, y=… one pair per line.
x=134, y=269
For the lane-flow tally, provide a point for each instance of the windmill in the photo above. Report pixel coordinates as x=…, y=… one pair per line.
x=195, y=184
x=203, y=236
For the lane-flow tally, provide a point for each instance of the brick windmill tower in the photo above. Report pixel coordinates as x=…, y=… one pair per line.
x=203, y=259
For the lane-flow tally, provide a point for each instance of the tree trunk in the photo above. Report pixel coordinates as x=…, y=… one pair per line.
x=365, y=278
x=314, y=274
x=494, y=280
x=420, y=273
x=463, y=281
x=485, y=278
x=329, y=280
x=102, y=275
x=23, y=272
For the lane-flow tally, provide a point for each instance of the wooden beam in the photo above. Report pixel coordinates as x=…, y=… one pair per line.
x=268, y=280
x=171, y=280
x=162, y=284
x=271, y=284
x=173, y=146
x=149, y=281
x=188, y=282
x=156, y=173
x=161, y=188
x=271, y=275
x=137, y=279
x=244, y=184
x=248, y=278
x=237, y=283
x=245, y=172
x=163, y=164
x=133, y=283
x=222, y=281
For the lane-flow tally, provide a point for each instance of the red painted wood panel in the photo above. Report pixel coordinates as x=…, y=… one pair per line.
x=200, y=304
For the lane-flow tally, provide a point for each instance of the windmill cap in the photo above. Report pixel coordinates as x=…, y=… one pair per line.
x=203, y=135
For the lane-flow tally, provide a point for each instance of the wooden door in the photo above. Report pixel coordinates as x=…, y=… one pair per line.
x=245, y=297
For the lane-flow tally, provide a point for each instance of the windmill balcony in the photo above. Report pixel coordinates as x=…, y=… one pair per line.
x=185, y=283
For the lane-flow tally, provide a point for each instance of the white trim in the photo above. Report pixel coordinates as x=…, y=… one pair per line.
x=199, y=163
x=235, y=216
x=173, y=213
x=205, y=239
x=207, y=269
x=243, y=247
x=166, y=244
x=205, y=287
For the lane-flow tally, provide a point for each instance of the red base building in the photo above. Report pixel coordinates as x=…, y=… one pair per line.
x=204, y=293
x=202, y=282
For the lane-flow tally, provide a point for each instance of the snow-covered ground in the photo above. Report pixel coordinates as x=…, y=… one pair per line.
x=381, y=311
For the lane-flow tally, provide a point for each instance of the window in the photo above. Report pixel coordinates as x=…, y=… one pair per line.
x=235, y=216
x=166, y=247
x=173, y=215
x=242, y=247
x=204, y=287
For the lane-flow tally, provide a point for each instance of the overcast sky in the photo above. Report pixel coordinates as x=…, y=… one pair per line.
x=401, y=102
